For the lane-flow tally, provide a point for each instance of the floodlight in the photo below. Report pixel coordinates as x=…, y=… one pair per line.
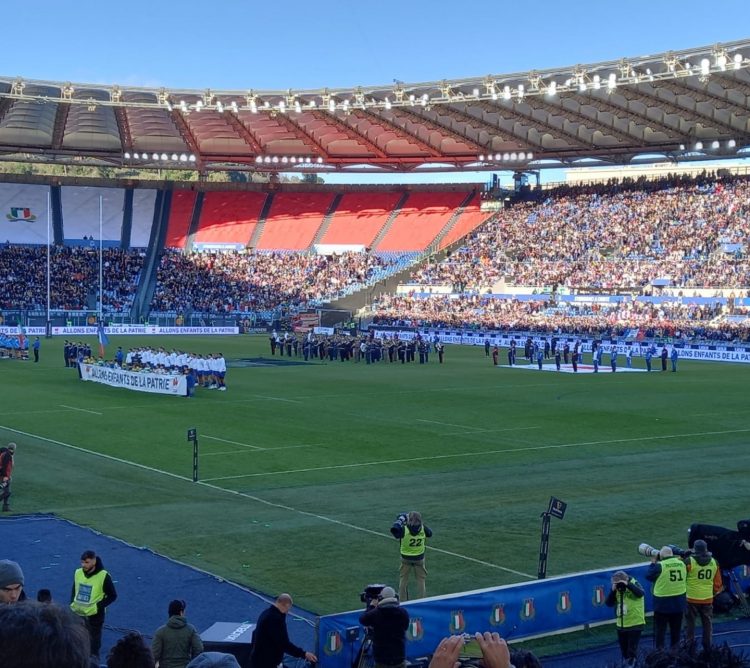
x=319, y=160
x=155, y=156
x=164, y=157
x=514, y=156
x=705, y=66
x=183, y=157
x=475, y=92
x=331, y=105
x=530, y=156
x=699, y=146
x=714, y=144
x=191, y=157
x=284, y=160
x=387, y=103
x=267, y=159
x=126, y=155
x=522, y=156
x=506, y=156
x=481, y=158
x=136, y=156
x=297, y=107
x=731, y=143
x=552, y=89
x=520, y=91
x=737, y=60
x=721, y=61
x=282, y=106
x=612, y=81
x=506, y=92
x=174, y=157
x=597, y=82
x=497, y=156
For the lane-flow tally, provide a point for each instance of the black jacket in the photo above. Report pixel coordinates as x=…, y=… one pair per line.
x=110, y=593
x=388, y=623
x=271, y=640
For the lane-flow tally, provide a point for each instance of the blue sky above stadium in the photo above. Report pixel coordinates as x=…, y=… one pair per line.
x=242, y=44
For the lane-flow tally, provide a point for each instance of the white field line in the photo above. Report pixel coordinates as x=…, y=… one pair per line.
x=224, y=440
x=448, y=424
x=82, y=410
x=267, y=398
x=260, y=500
x=484, y=453
x=488, y=431
x=250, y=452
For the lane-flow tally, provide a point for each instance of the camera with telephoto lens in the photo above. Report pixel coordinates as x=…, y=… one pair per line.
x=647, y=551
x=371, y=593
x=621, y=586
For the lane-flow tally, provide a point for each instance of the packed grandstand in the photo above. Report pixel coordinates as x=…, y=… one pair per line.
x=672, y=251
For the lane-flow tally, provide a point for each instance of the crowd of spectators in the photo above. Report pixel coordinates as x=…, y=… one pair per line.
x=74, y=277
x=543, y=315
x=230, y=282
x=615, y=237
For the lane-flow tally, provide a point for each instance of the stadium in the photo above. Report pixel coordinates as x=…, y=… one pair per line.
x=162, y=243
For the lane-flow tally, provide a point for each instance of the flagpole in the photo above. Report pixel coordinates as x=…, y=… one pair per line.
x=101, y=286
x=49, y=300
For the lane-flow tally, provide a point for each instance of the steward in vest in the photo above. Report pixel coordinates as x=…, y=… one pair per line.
x=93, y=591
x=669, y=575
x=412, y=536
x=626, y=597
x=703, y=583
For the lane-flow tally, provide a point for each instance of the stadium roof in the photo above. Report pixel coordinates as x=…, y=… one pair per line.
x=682, y=105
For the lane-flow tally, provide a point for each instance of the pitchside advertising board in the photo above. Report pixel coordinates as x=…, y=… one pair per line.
x=514, y=611
x=151, y=330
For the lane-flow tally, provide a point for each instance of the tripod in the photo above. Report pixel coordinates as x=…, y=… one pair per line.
x=364, y=658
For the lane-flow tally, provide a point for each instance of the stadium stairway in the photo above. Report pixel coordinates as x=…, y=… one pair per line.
x=389, y=222
x=327, y=220
x=258, y=231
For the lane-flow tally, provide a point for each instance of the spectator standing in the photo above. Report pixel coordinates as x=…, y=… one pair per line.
x=669, y=577
x=130, y=651
x=673, y=356
x=7, y=456
x=412, y=535
x=626, y=597
x=703, y=583
x=271, y=639
x=389, y=623
x=177, y=642
x=93, y=591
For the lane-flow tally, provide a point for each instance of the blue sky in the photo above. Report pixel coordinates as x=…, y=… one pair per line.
x=242, y=44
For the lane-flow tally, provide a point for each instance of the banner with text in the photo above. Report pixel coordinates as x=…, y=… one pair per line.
x=155, y=383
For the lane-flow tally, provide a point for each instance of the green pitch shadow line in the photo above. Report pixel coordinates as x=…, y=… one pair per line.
x=257, y=499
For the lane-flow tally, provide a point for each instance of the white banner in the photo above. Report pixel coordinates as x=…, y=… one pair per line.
x=715, y=355
x=23, y=213
x=155, y=383
x=144, y=203
x=28, y=331
x=80, y=209
x=154, y=330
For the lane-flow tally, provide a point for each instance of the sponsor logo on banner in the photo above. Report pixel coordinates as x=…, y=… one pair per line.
x=497, y=617
x=457, y=623
x=20, y=213
x=416, y=629
x=598, y=598
x=528, y=611
x=334, y=643
x=563, y=602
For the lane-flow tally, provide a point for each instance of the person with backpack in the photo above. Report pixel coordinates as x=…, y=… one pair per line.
x=6, y=473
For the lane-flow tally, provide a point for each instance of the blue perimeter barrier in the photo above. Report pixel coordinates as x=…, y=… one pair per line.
x=514, y=611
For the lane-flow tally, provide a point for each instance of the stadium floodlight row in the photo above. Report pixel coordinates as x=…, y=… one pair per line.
x=676, y=105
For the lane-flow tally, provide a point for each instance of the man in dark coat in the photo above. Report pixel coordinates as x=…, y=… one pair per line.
x=271, y=639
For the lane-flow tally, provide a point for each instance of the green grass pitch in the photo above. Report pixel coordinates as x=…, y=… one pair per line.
x=303, y=468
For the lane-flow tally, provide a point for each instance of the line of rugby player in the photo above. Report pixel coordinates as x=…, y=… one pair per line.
x=208, y=371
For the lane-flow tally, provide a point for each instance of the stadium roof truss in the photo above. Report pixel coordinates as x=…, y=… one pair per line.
x=680, y=105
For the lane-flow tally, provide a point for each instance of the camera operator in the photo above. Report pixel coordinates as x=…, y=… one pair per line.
x=626, y=597
x=703, y=583
x=669, y=575
x=412, y=535
x=388, y=622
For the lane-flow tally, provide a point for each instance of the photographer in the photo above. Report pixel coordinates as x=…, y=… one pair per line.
x=703, y=583
x=626, y=597
x=495, y=651
x=669, y=575
x=413, y=535
x=388, y=623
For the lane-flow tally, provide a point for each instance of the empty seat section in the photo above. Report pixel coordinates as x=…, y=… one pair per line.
x=293, y=220
x=229, y=217
x=420, y=220
x=180, y=213
x=471, y=218
x=359, y=217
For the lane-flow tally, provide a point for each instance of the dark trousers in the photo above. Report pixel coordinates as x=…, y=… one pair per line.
x=94, y=625
x=628, y=640
x=706, y=613
x=662, y=620
x=36, y=355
